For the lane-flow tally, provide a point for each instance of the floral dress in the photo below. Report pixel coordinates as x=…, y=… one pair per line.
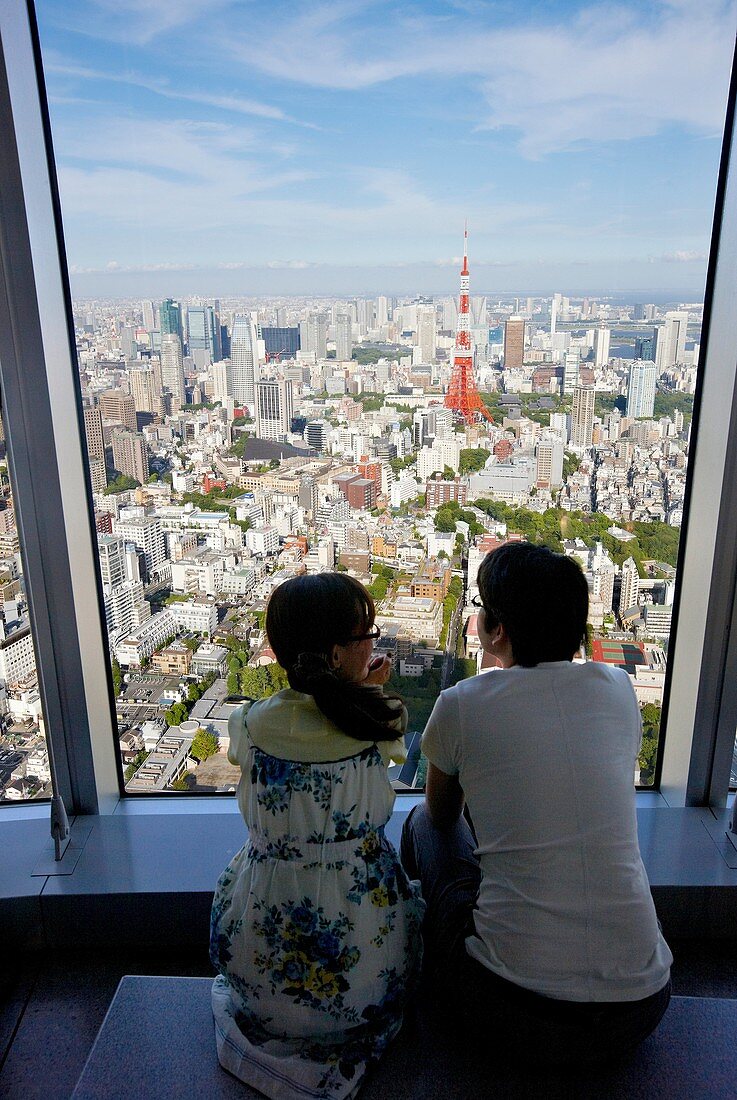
x=315, y=927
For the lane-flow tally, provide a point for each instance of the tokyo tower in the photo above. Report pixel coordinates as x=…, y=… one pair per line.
x=463, y=395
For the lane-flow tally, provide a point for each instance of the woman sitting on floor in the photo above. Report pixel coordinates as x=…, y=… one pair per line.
x=540, y=928
x=315, y=925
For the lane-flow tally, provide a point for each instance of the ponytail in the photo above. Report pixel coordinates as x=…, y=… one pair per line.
x=360, y=711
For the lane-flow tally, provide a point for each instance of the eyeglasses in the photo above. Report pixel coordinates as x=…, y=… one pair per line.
x=372, y=635
x=476, y=601
x=490, y=614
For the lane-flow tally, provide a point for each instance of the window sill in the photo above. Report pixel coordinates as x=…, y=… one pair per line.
x=146, y=873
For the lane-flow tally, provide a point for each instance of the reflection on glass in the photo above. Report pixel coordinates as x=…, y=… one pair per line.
x=279, y=374
x=24, y=760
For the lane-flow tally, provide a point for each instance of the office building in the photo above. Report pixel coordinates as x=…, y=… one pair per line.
x=274, y=409
x=646, y=347
x=280, y=342
x=672, y=340
x=549, y=458
x=244, y=339
x=203, y=335
x=343, y=338
x=170, y=320
x=514, y=342
x=641, y=389
x=426, y=334
x=147, y=389
x=119, y=408
x=629, y=591
x=130, y=454
x=172, y=371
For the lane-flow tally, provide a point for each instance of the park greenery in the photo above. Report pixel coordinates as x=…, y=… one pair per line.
x=653, y=540
x=473, y=459
x=256, y=683
x=370, y=355
x=455, y=591
x=120, y=484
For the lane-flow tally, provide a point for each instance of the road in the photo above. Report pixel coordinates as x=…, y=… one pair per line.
x=450, y=646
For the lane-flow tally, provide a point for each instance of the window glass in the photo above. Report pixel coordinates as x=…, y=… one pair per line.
x=24, y=761
x=288, y=364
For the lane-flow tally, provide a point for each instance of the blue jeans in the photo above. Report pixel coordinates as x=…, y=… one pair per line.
x=524, y=1024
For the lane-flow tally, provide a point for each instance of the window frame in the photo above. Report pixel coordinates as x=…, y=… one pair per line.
x=49, y=468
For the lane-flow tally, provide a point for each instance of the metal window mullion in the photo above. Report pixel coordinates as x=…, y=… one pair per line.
x=38, y=367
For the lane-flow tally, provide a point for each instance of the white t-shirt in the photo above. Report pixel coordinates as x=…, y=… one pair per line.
x=546, y=758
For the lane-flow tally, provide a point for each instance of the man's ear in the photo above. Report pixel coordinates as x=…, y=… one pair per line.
x=334, y=657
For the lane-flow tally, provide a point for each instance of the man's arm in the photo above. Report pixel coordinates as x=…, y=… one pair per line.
x=444, y=797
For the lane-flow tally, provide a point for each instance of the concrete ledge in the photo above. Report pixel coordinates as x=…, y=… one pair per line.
x=157, y=1040
x=145, y=878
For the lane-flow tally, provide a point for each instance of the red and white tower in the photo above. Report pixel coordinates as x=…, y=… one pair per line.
x=463, y=396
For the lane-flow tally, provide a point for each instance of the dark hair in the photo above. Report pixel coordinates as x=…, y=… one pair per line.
x=305, y=617
x=540, y=598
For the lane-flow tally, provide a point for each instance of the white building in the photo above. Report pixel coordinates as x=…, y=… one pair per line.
x=274, y=409
x=263, y=540
x=244, y=354
x=641, y=389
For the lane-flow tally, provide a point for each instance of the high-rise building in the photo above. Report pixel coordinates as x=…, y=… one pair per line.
x=146, y=388
x=549, y=456
x=629, y=591
x=95, y=447
x=130, y=454
x=172, y=370
x=281, y=341
x=602, y=337
x=343, y=338
x=672, y=340
x=244, y=359
x=646, y=347
x=641, y=389
x=313, y=334
x=202, y=335
x=582, y=418
x=554, y=311
x=274, y=409
x=170, y=319
x=222, y=381
x=570, y=370
x=148, y=313
x=316, y=434
x=147, y=534
x=426, y=334
x=119, y=407
x=514, y=342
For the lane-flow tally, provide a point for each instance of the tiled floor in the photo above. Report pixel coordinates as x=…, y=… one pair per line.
x=52, y=1005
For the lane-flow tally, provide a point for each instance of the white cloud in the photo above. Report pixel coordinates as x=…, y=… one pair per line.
x=612, y=72
x=685, y=257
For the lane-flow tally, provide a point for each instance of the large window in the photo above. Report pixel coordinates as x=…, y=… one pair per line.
x=271, y=328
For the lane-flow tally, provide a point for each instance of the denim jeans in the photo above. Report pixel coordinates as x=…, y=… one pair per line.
x=523, y=1025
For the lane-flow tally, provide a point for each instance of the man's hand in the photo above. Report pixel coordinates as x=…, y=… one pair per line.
x=379, y=670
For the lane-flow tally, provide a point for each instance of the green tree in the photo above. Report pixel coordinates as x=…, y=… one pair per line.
x=473, y=459
x=117, y=678
x=204, y=744
x=120, y=484
x=647, y=758
x=176, y=714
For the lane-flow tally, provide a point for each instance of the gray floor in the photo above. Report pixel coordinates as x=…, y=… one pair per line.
x=52, y=1004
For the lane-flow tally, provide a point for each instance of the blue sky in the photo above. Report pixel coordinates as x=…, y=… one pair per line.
x=219, y=147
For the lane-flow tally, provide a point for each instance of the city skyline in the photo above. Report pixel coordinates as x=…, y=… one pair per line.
x=339, y=150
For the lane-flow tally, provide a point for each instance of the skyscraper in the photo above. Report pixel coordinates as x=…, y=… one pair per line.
x=130, y=454
x=570, y=370
x=426, y=336
x=641, y=389
x=672, y=340
x=170, y=319
x=630, y=588
x=95, y=447
x=601, y=346
x=172, y=370
x=146, y=389
x=549, y=468
x=582, y=419
x=514, y=342
x=313, y=334
x=274, y=409
x=244, y=359
x=343, y=338
x=202, y=337
x=646, y=347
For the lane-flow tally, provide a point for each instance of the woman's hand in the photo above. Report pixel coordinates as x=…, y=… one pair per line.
x=379, y=670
